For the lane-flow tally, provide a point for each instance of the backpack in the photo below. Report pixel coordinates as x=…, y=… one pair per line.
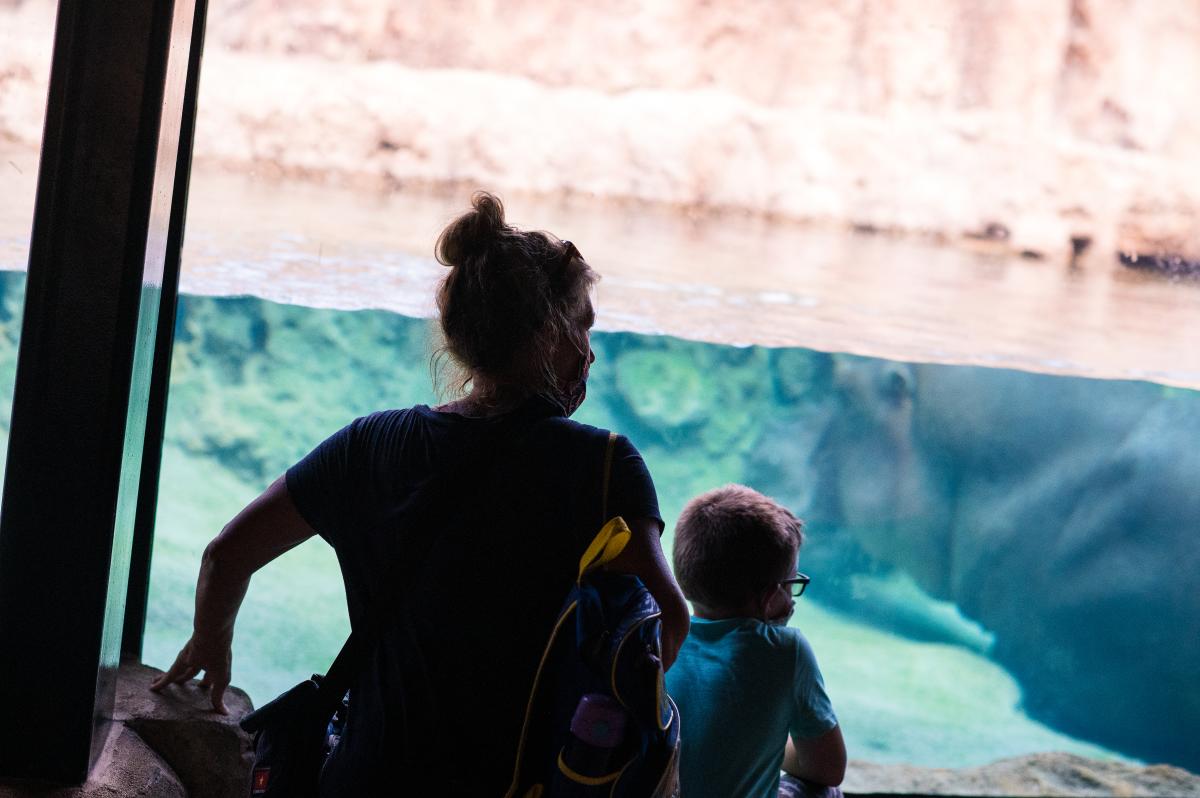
x=599, y=721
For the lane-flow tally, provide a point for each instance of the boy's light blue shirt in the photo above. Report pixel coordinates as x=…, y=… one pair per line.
x=742, y=686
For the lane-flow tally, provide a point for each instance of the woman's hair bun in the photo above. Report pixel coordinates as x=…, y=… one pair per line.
x=509, y=298
x=473, y=233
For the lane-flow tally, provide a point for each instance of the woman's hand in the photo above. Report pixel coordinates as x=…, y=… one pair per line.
x=215, y=659
x=266, y=528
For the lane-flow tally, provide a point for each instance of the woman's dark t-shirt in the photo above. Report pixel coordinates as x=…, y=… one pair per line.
x=458, y=540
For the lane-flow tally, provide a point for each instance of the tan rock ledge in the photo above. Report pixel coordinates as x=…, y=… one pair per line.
x=209, y=751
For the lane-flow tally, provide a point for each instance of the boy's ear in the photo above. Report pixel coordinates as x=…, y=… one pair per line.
x=762, y=602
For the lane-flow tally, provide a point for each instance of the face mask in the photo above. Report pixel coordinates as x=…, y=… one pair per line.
x=572, y=394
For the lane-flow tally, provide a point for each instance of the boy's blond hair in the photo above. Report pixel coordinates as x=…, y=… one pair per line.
x=731, y=544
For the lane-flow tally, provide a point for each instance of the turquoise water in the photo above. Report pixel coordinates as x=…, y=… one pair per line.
x=257, y=384
x=991, y=550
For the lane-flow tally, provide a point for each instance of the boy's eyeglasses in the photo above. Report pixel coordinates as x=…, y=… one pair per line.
x=796, y=584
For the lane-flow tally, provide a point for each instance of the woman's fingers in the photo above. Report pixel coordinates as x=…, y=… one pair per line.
x=188, y=665
x=180, y=666
x=219, y=683
x=188, y=674
x=216, y=682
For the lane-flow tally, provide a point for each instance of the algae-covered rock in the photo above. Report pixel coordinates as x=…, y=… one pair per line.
x=743, y=397
x=665, y=388
x=800, y=375
x=257, y=384
x=687, y=394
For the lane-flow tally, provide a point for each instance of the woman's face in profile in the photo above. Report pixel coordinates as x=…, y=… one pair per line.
x=573, y=360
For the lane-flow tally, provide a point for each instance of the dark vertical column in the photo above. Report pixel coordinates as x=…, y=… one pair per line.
x=156, y=415
x=97, y=252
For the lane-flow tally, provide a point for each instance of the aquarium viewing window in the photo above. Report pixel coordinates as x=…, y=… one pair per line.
x=831, y=270
x=989, y=521
x=943, y=605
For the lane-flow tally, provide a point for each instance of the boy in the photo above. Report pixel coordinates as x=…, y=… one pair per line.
x=751, y=698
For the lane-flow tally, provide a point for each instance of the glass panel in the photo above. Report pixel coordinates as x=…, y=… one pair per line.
x=993, y=550
x=26, y=41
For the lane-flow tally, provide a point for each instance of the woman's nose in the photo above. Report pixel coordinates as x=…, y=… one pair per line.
x=591, y=355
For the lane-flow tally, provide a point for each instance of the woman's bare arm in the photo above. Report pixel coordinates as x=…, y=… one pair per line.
x=268, y=526
x=643, y=557
x=821, y=759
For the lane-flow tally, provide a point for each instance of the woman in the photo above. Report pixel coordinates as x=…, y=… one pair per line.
x=458, y=528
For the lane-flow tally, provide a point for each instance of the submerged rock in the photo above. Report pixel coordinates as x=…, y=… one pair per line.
x=666, y=390
x=1051, y=774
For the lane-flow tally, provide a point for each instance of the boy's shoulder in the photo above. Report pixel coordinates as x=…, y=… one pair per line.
x=765, y=656
x=787, y=643
x=785, y=639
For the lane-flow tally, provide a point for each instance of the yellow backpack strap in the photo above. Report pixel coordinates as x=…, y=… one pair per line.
x=608, y=457
x=604, y=548
x=612, y=537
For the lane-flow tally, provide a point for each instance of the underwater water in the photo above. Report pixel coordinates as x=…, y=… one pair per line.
x=1000, y=560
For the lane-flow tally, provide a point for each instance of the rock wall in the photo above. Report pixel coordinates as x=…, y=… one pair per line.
x=1025, y=122
x=1082, y=65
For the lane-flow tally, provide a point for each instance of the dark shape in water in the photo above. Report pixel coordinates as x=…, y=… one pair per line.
x=1059, y=512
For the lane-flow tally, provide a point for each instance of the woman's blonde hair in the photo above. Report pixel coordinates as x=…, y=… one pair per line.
x=510, y=299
